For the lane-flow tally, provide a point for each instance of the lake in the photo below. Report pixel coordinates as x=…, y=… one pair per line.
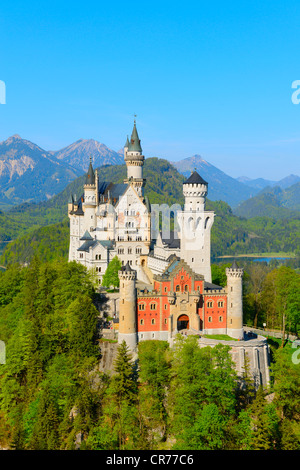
x=266, y=259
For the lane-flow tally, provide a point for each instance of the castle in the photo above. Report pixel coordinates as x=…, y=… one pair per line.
x=165, y=279
x=165, y=282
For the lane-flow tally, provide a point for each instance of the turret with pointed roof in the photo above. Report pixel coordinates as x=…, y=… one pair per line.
x=134, y=161
x=90, y=176
x=195, y=178
x=135, y=143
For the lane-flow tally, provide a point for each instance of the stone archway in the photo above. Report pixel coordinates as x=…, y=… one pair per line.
x=183, y=322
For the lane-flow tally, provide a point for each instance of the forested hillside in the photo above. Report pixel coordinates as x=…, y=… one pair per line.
x=273, y=202
x=52, y=395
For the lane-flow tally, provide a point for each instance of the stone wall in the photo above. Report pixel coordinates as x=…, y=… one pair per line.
x=108, y=356
x=257, y=352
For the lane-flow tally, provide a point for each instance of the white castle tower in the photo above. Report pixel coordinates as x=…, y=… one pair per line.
x=127, y=309
x=90, y=198
x=134, y=162
x=235, y=301
x=195, y=226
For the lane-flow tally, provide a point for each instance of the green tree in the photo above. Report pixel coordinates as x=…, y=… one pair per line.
x=111, y=277
x=265, y=423
x=154, y=378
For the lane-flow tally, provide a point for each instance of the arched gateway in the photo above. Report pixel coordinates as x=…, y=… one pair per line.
x=183, y=322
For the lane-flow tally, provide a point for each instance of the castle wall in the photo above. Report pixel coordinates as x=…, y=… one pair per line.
x=257, y=352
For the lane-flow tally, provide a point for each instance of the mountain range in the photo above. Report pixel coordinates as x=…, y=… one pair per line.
x=79, y=153
x=261, y=183
x=29, y=173
x=273, y=202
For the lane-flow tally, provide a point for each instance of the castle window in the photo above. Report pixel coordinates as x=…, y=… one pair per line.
x=121, y=251
x=220, y=303
x=177, y=288
x=192, y=260
x=141, y=306
x=166, y=321
x=129, y=251
x=153, y=306
x=186, y=288
x=209, y=319
x=142, y=321
x=153, y=335
x=220, y=319
x=81, y=255
x=152, y=321
x=166, y=306
x=166, y=289
x=138, y=251
x=209, y=304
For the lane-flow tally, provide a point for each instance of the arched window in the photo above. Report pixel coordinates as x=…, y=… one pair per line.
x=177, y=288
x=186, y=288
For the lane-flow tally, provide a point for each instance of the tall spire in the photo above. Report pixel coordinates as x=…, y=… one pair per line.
x=135, y=143
x=90, y=176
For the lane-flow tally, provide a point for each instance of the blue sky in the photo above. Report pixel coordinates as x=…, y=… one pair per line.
x=208, y=78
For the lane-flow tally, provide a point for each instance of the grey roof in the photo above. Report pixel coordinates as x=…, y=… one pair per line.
x=86, y=236
x=79, y=210
x=113, y=190
x=91, y=243
x=90, y=176
x=106, y=243
x=171, y=267
x=87, y=245
x=127, y=267
x=210, y=286
x=234, y=265
x=135, y=143
x=195, y=178
x=173, y=241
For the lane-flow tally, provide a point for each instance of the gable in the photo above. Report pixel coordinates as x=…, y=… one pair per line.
x=130, y=200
